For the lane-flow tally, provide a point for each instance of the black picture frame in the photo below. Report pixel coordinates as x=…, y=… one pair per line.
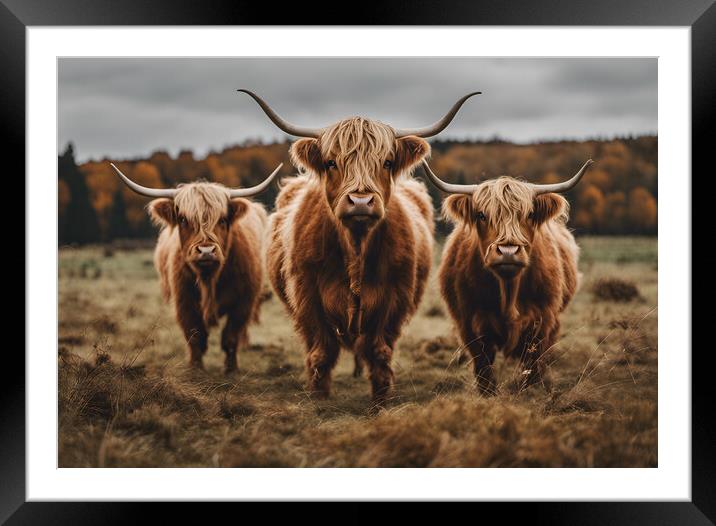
x=699, y=15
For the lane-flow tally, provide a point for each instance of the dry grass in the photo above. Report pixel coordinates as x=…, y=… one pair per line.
x=127, y=399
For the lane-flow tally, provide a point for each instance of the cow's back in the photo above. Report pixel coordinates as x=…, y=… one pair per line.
x=165, y=253
x=453, y=266
x=418, y=206
x=250, y=229
x=568, y=250
x=280, y=226
x=242, y=276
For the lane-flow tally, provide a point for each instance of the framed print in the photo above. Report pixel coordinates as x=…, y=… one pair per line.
x=404, y=254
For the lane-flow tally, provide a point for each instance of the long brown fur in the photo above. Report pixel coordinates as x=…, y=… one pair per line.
x=522, y=317
x=232, y=291
x=337, y=297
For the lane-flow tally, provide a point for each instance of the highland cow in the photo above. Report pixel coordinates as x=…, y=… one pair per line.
x=508, y=270
x=350, y=243
x=209, y=259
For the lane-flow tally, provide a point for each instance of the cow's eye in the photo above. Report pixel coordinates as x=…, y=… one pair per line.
x=183, y=221
x=223, y=221
x=481, y=216
x=331, y=164
x=388, y=164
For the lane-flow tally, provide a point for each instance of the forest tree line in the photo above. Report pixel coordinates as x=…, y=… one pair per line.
x=618, y=196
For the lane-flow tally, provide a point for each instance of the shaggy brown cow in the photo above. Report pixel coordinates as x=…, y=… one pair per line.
x=209, y=259
x=509, y=268
x=350, y=243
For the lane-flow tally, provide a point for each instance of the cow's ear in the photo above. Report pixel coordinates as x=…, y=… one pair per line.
x=237, y=208
x=162, y=212
x=409, y=151
x=306, y=154
x=458, y=208
x=548, y=206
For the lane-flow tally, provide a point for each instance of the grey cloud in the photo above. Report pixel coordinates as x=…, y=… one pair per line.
x=130, y=107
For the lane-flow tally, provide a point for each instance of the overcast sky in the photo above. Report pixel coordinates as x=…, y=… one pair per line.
x=130, y=107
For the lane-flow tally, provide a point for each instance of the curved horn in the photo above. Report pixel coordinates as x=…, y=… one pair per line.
x=564, y=186
x=143, y=190
x=263, y=185
x=438, y=126
x=284, y=125
x=171, y=192
x=449, y=188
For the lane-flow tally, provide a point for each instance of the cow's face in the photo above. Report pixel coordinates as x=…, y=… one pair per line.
x=203, y=213
x=357, y=161
x=505, y=214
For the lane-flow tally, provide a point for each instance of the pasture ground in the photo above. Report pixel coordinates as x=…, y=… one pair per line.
x=126, y=398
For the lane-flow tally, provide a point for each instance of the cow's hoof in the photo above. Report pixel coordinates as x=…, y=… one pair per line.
x=320, y=395
x=380, y=400
x=487, y=392
x=196, y=364
x=486, y=389
x=378, y=405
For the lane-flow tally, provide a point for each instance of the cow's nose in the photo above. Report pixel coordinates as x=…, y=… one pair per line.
x=207, y=250
x=361, y=199
x=507, y=250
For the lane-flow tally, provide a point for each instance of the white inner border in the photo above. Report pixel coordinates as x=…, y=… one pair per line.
x=670, y=481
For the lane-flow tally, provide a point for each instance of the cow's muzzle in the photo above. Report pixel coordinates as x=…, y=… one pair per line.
x=507, y=260
x=206, y=256
x=360, y=208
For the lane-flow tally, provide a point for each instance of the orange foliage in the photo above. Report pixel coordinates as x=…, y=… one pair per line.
x=63, y=196
x=642, y=209
x=624, y=167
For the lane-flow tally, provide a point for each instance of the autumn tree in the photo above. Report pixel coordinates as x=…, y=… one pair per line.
x=145, y=174
x=118, y=226
x=617, y=195
x=642, y=210
x=589, y=214
x=80, y=220
x=615, y=209
x=63, y=201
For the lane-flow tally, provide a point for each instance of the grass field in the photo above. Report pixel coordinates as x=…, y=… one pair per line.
x=126, y=398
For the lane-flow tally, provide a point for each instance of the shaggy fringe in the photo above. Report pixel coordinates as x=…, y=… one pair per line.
x=507, y=203
x=203, y=204
x=359, y=146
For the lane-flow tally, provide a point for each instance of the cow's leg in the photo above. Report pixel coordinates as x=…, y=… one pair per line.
x=320, y=361
x=189, y=316
x=195, y=332
x=357, y=365
x=483, y=358
x=378, y=355
x=482, y=352
x=322, y=346
x=234, y=337
x=534, y=346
